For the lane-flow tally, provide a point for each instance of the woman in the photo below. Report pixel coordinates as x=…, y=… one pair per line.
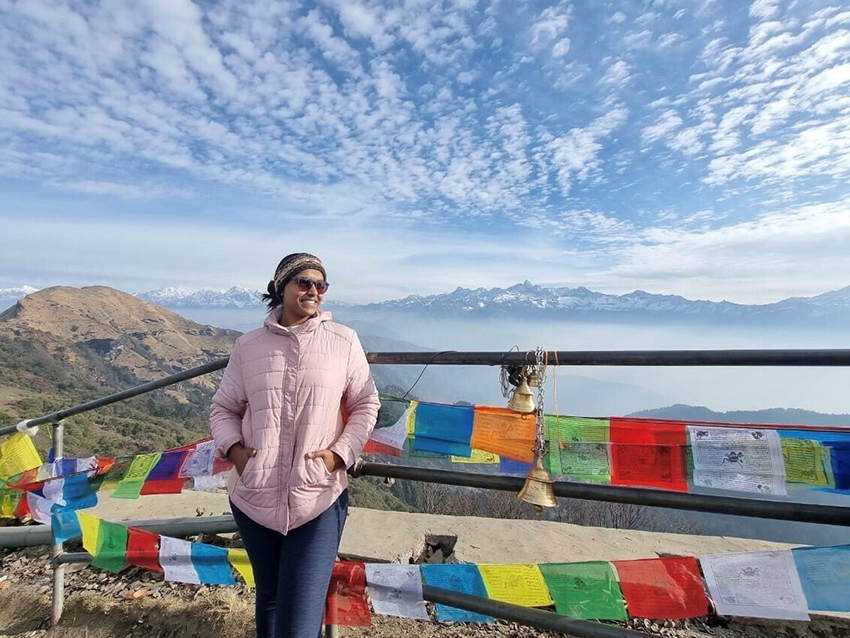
x=277, y=417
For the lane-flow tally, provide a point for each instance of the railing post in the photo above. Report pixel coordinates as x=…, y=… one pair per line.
x=331, y=631
x=56, y=549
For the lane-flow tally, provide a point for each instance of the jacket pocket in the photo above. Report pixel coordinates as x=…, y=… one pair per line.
x=248, y=476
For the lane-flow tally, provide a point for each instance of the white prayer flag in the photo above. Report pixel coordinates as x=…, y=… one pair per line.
x=54, y=491
x=40, y=508
x=209, y=483
x=396, y=590
x=395, y=435
x=738, y=459
x=755, y=584
x=198, y=462
x=175, y=557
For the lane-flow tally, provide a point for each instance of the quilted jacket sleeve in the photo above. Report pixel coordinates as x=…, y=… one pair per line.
x=228, y=406
x=361, y=404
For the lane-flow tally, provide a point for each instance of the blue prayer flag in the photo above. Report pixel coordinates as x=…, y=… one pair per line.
x=76, y=486
x=439, y=446
x=66, y=526
x=512, y=466
x=461, y=578
x=212, y=565
x=444, y=422
x=825, y=576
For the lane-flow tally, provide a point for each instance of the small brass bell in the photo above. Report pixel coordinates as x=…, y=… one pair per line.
x=539, y=488
x=534, y=379
x=522, y=399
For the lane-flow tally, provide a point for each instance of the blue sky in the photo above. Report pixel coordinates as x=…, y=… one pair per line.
x=698, y=148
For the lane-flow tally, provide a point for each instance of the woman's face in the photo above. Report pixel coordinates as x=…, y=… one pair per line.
x=300, y=304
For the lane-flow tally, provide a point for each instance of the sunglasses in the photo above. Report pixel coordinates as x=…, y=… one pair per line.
x=305, y=283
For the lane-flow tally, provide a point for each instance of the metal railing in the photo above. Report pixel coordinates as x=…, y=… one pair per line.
x=540, y=619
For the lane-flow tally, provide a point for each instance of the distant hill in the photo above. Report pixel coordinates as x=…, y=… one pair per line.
x=61, y=346
x=777, y=416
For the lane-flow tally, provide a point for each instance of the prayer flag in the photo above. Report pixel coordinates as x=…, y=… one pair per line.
x=510, y=466
x=649, y=454
x=391, y=412
x=40, y=508
x=168, y=465
x=198, y=461
x=755, y=584
x=585, y=590
x=346, y=603
x=9, y=503
x=239, y=559
x=211, y=564
x=396, y=590
x=444, y=429
x=65, y=526
x=390, y=438
x=518, y=584
x=175, y=557
x=670, y=588
x=807, y=461
x=111, y=550
x=479, y=457
x=462, y=578
x=578, y=447
x=116, y=472
x=131, y=485
x=738, y=459
x=143, y=549
x=825, y=576
x=89, y=526
x=504, y=432
x=166, y=486
x=18, y=454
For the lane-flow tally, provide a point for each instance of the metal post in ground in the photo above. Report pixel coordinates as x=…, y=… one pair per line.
x=331, y=631
x=56, y=549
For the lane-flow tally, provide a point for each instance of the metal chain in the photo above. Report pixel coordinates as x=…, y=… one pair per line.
x=540, y=447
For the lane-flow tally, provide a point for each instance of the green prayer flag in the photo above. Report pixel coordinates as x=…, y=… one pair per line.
x=578, y=447
x=117, y=472
x=111, y=552
x=130, y=486
x=585, y=590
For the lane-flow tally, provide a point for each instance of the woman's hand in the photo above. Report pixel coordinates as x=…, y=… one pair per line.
x=333, y=461
x=238, y=454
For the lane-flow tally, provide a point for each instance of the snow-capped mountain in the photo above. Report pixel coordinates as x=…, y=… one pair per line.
x=235, y=297
x=572, y=302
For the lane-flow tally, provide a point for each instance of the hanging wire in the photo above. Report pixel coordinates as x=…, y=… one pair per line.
x=425, y=367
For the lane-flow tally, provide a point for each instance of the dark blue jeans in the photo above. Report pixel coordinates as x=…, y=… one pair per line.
x=293, y=572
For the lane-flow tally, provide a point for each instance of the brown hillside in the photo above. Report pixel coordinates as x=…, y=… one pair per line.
x=144, y=339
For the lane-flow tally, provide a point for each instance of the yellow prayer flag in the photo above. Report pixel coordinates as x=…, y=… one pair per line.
x=478, y=456
x=411, y=418
x=804, y=461
x=8, y=504
x=18, y=454
x=519, y=584
x=239, y=559
x=90, y=527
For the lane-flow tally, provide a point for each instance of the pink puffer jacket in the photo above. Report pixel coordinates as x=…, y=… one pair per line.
x=281, y=395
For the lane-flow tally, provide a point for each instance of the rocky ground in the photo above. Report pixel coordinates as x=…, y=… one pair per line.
x=140, y=604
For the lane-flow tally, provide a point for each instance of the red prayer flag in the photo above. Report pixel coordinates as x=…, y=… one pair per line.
x=376, y=447
x=670, y=588
x=221, y=465
x=104, y=465
x=143, y=549
x=649, y=454
x=165, y=486
x=346, y=603
x=26, y=481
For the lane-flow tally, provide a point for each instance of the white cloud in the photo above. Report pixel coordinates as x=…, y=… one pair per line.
x=764, y=8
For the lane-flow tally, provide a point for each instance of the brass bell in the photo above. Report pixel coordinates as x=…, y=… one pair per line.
x=539, y=488
x=533, y=379
x=522, y=399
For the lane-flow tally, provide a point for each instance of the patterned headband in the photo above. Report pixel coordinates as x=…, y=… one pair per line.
x=291, y=265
